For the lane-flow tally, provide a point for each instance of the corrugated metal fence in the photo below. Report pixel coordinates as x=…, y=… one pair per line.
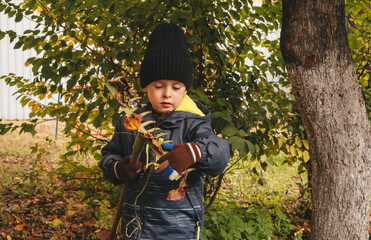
x=13, y=61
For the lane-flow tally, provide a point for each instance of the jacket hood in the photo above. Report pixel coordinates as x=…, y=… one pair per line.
x=188, y=105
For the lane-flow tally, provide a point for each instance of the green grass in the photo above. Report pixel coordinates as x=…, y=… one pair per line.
x=279, y=184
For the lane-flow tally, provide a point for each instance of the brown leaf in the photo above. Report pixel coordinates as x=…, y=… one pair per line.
x=102, y=234
x=54, y=216
x=176, y=194
x=162, y=166
x=120, y=99
x=158, y=147
x=155, y=145
x=183, y=183
x=90, y=222
x=124, y=90
x=179, y=193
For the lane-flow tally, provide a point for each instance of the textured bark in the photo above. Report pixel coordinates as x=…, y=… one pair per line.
x=317, y=56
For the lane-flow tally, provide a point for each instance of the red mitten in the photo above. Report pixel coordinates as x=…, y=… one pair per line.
x=180, y=157
x=126, y=171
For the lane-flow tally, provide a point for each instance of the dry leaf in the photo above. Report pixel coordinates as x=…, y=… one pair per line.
x=151, y=138
x=90, y=222
x=179, y=193
x=102, y=234
x=183, y=183
x=158, y=147
x=132, y=122
x=176, y=194
x=124, y=94
x=19, y=227
x=56, y=222
x=161, y=167
x=54, y=216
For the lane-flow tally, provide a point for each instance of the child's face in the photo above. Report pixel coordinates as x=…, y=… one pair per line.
x=165, y=95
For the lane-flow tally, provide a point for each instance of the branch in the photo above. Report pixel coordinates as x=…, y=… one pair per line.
x=220, y=179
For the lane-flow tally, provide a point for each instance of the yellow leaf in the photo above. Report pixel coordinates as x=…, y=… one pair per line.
x=292, y=151
x=39, y=9
x=8, y=237
x=19, y=227
x=300, y=152
x=306, y=144
x=287, y=148
x=56, y=222
x=132, y=122
x=306, y=156
x=70, y=212
x=35, y=108
x=27, y=63
x=298, y=142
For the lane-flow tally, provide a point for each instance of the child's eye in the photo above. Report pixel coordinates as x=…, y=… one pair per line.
x=158, y=86
x=177, y=87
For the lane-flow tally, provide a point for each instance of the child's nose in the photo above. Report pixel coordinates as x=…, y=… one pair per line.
x=167, y=92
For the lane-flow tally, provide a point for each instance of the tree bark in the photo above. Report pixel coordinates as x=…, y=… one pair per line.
x=319, y=64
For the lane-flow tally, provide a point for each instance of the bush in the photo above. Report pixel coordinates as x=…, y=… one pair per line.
x=236, y=223
x=229, y=221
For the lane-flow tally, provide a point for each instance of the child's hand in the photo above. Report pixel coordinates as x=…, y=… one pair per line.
x=180, y=157
x=125, y=171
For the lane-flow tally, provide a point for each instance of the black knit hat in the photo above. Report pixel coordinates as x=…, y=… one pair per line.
x=166, y=57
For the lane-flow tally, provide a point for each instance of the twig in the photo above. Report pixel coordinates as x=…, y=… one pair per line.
x=220, y=179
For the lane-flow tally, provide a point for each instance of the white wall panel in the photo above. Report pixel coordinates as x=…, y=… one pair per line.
x=12, y=61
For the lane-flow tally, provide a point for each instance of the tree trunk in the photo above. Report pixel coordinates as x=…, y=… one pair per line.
x=319, y=64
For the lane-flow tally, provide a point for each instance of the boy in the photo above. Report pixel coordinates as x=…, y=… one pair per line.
x=166, y=75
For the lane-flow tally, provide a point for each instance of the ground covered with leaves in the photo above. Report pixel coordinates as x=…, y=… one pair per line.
x=48, y=216
x=36, y=207
x=46, y=196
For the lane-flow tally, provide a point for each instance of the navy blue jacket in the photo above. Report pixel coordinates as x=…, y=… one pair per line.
x=145, y=201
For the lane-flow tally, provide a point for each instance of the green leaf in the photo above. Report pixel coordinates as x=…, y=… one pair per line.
x=18, y=17
x=223, y=115
x=242, y=133
x=2, y=7
x=84, y=116
x=238, y=143
x=18, y=45
x=112, y=89
x=97, y=122
x=229, y=131
x=250, y=146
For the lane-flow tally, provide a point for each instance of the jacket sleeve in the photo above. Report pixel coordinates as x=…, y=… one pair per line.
x=119, y=146
x=215, y=150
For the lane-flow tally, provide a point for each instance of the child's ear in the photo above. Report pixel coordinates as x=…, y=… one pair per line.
x=145, y=89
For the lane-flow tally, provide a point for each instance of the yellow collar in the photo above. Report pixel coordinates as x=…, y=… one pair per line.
x=188, y=105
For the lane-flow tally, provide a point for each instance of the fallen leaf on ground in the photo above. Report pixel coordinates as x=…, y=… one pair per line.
x=56, y=222
x=19, y=227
